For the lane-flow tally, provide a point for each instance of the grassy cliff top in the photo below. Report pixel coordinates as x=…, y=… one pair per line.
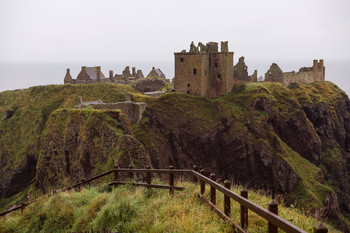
x=130, y=209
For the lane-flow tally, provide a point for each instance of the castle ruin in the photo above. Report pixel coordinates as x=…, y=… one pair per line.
x=240, y=73
x=305, y=75
x=204, y=71
x=89, y=75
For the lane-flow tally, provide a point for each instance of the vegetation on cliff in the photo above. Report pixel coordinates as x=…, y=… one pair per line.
x=294, y=141
x=27, y=131
x=130, y=209
x=290, y=140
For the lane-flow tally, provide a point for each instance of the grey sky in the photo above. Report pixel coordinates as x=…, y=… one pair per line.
x=144, y=31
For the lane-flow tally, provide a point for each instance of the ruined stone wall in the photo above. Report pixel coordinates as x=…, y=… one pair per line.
x=240, y=73
x=274, y=74
x=133, y=110
x=148, y=85
x=254, y=76
x=305, y=75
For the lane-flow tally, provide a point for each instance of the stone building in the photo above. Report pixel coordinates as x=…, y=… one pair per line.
x=204, y=71
x=305, y=75
x=240, y=73
x=89, y=75
x=133, y=110
x=156, y=73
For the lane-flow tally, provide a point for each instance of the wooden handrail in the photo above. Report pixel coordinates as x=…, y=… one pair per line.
x=269, y=216
x=264, y=213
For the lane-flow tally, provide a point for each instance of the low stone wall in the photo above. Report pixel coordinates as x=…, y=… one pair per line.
x=133, y=110
x=154, y=93
x=148, y=85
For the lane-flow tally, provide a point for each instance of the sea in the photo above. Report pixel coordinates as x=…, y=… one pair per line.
x=19, y=75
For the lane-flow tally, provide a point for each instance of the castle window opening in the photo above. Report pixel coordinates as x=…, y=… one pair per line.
x=219, y=75
x=194, y=71
x=188, y=92
x=205, y=72
x=181, y=59
x=188, y=85
x=216, y=64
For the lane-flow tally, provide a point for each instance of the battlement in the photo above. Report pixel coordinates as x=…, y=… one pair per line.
x=210, y=47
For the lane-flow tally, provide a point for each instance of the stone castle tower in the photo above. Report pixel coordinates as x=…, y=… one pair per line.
x=204, y=71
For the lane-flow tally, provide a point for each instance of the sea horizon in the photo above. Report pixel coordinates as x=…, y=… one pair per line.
x=20, y=75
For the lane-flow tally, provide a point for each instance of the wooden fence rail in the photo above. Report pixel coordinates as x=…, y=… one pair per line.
x=270, y=214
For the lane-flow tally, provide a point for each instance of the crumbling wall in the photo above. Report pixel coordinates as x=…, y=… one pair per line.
x=139, y=74
x=240, y=71
x=133, y=110
x=305, y=75
x=148, y=85
x=126, y=72
x=274, y=74
x=254, y=76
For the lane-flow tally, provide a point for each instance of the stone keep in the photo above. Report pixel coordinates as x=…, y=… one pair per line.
x=204, y=71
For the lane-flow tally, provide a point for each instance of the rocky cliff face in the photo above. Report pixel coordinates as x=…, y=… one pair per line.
x=291, y=140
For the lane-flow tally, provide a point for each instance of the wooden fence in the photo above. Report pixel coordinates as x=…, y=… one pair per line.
x=270, y=214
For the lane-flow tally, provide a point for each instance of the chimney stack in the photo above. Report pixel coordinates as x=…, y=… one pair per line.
x=111, y=74
x=98, y=77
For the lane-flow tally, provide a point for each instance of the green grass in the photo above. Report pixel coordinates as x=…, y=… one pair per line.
x=130, y=209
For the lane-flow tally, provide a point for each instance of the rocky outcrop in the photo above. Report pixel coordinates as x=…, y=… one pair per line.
x=148, y=85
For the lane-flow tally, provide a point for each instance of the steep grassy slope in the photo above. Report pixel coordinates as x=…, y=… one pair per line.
x=23, y=117
x=129, y=209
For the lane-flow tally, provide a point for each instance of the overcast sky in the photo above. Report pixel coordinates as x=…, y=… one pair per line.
x=152, y=30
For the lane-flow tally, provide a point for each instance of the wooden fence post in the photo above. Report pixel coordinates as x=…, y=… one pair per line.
x=244, y=210
x=116, y=174
x=227, y=200
x=171, y=181
x=320, y=228
x=195, y=179
x=202, y=182
x=22, y=207
x=148, y=177
x=131, y=174
x=273, y=207
x=82, y=183
x=212, y=190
